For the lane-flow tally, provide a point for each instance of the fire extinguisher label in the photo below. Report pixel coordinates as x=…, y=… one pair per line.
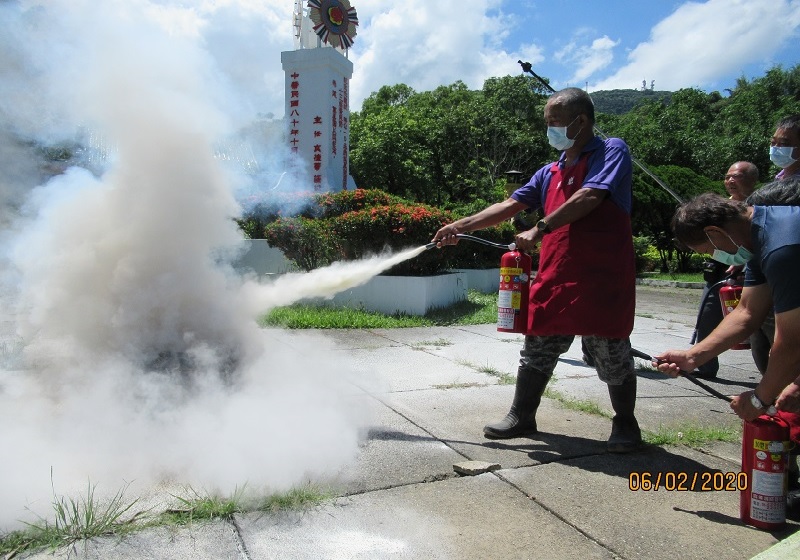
x=505, y=318
x=767, y=484
x=504, y=298
x=767, y=502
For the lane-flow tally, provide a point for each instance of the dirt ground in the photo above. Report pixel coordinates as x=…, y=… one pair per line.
x=665, y=302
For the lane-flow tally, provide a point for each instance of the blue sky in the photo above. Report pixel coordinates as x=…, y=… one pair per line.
x=618, y=43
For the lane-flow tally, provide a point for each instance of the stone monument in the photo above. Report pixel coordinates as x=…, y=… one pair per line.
x=318, y=76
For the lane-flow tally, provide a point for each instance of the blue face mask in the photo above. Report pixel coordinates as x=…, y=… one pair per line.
x=781, y=156
x=557, y=136
x=741, y=257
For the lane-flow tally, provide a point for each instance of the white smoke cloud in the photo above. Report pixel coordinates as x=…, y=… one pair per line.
x=129, y=348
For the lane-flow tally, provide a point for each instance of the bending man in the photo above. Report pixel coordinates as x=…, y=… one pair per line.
x=767, y=238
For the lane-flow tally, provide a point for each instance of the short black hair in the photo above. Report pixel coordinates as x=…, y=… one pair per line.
x=783, y=192
x=708, y=209
x=792, y=122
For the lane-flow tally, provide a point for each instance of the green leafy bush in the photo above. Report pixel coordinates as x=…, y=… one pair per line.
x=647, y=257
x=307, y=242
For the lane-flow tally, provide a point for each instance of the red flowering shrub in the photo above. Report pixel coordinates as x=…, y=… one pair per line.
x=351, y=225
x=396, y=227
x=336, y=204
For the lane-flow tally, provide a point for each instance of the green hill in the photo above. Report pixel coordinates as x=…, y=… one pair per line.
x=620, y=101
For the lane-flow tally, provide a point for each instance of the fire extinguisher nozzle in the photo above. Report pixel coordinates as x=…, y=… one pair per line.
x=430, y=245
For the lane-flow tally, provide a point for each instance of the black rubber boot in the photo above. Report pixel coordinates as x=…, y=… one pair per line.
x=625, y=433
x=521, y=419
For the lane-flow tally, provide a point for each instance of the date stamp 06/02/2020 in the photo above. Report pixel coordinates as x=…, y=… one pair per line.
x=678, y=481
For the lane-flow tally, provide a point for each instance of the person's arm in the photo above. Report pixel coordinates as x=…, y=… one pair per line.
x=581, y=203
x=753, y=308
x=784, y=363
x=487, y=217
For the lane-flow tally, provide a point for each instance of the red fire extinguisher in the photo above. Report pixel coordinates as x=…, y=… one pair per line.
x=729, y=296
x=765, y=457
x=512, y=301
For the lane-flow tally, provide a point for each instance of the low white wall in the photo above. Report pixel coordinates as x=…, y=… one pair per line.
x=481, y=280
x=413, y=295
x=259, y=258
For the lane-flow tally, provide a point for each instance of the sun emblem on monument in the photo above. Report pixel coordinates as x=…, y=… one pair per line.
x=335, y=21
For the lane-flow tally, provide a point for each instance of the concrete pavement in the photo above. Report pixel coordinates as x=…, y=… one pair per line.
x=556, y=494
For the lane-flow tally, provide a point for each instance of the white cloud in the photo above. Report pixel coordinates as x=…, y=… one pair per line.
x=426, y=44
x=587, y=59
x=420, y=43
x=700, y=42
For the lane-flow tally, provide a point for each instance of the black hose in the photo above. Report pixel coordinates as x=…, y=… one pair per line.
x=710, y=390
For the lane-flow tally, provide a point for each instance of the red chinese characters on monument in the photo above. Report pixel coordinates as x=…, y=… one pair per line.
x=344, y=101
x=294, y=113
x=317, y=159
x=334, y=109
x=317, y=163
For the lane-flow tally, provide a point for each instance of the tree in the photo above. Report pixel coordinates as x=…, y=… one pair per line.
x=653, y=206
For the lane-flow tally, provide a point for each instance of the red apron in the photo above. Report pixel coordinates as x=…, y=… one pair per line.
x=586, y=282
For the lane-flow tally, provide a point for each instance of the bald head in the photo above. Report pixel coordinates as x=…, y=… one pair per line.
x=741, y=180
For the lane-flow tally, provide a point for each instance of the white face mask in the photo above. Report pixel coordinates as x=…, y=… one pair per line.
x=557, y=136
x=781, y=156
x=739, y=258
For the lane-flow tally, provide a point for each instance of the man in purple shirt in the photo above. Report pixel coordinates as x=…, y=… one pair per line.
x=585, y=284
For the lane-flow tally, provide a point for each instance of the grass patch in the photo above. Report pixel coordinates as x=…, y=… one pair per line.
x=298, y=498
x=571, y=403
x=478, y=309
x=208, y=508
x=203, y=508
x=676, y=276
x=87, y=518
x=692, y=436
x=438, y=343
x=74, y=520
x=503, y=378
x=456, y=385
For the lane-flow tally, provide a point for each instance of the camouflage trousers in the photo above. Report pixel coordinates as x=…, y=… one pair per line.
x=612, y=356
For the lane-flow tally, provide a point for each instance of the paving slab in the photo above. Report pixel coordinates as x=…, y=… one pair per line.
x=217, y=540
x=466, y=518
x=395, y=452
x=595, y=494
x=457, y=417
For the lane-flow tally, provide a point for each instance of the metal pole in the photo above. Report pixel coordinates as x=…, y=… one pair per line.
x=526, y=67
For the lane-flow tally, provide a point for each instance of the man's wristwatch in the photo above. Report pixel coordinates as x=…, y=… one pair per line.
x=756, y=402
x=542, y=226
